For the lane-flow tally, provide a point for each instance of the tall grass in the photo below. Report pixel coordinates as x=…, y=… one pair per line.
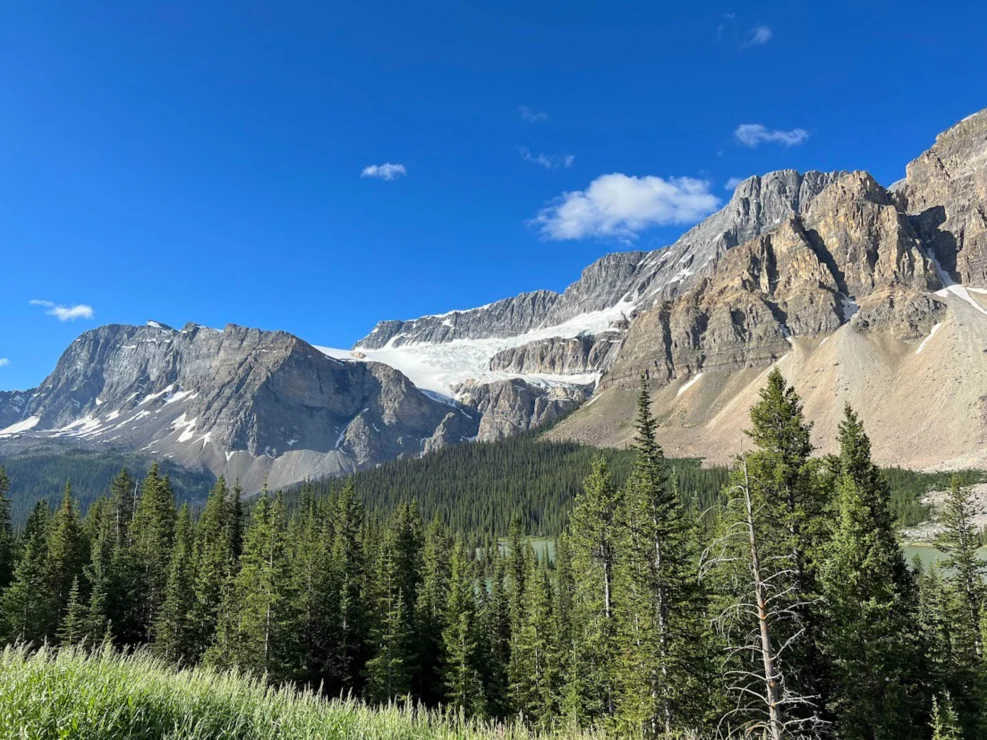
x=73, y=694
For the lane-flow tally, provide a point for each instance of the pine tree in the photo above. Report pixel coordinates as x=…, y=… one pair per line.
x=123, y=494
x=256, y=624
x=959, y=540
x=99, y=571
x=74, y=627
x=535, y=660
x=594, y=536
x=152, y=533
x=310, y=543
x=174, y=629
x=871, y=633
x=66, y=551
x=216, y=551
x=29, y=603
x=460, y=638
x=945, y=724
x=791, y=504
x=6, y=533
x=389, y=672
x=431, y=611
x=495, y=619
x=348, y=569
x=662, y=675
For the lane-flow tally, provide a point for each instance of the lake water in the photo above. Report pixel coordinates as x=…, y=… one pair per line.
x=928, y=554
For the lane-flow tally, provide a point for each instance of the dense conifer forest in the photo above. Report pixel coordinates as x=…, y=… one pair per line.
x=770, y=599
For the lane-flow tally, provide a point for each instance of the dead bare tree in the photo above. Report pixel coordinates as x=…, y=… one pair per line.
x=750, y=625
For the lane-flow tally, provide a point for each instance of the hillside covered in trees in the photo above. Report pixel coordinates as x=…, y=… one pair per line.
x=787, y=610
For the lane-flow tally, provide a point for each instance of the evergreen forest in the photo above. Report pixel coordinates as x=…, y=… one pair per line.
x=768, y=600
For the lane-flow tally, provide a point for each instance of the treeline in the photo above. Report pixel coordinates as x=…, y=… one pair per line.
x=797, y=617
x=42, y=475
x=479, y=488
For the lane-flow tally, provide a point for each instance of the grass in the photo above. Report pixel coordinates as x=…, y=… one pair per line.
x=73, y=694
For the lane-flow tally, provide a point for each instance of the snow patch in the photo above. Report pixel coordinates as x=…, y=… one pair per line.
x=187, y=427
x=160, y=393
x=22, y=426
x=685, y=387
x=926, y=340
x=953, y=287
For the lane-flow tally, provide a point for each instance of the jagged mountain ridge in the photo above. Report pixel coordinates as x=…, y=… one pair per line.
x=886, y=279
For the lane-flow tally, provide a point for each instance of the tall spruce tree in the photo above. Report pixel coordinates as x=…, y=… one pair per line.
x=431, y=611
x=663, y=669
x=390, y=671
x=123, y=496
x=959, y=540
x=28, y=605
x=99, y=571
x=594, y=537
x=535, y=658
x=462, y=656
x=348, y=568
x=962, y=596
x=310, y=544
x=871, y=632
x=791, y=502
x=495, y=619
x=67, y=552
x=174, y=628
x=7, y=550
x=216, y=552
x=152, y=533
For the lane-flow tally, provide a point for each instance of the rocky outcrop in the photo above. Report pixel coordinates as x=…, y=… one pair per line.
x=945, y=191
x=508, y=317
x=805, y=278
x=559, y=356
x=511, y=406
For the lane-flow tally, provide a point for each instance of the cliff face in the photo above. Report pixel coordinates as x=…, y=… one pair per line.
x=945, y=191
x=851, y=251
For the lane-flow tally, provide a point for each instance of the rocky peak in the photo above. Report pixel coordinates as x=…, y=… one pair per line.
x=945, y=191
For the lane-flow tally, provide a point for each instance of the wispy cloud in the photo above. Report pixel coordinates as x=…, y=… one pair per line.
x=728, y=20
x=4, y=362
x=754, y=134
x=621, y=206
x=386, y=171
x=66, y=313
x=548, y=161
x=733, y=182
x=531, y=116
x=757, y=36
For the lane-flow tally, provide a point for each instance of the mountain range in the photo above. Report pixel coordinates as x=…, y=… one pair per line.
x=860, y=294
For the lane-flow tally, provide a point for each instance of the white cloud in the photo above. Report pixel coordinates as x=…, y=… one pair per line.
x=758, y=36
x=733, y=182
x=548, y=161
x=621, y=206
x=386, y=171
x=4, y=362
x=66, y=313
x=753, y=134
x=531, y=116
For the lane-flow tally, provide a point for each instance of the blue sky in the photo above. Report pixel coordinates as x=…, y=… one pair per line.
x=316, y=167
